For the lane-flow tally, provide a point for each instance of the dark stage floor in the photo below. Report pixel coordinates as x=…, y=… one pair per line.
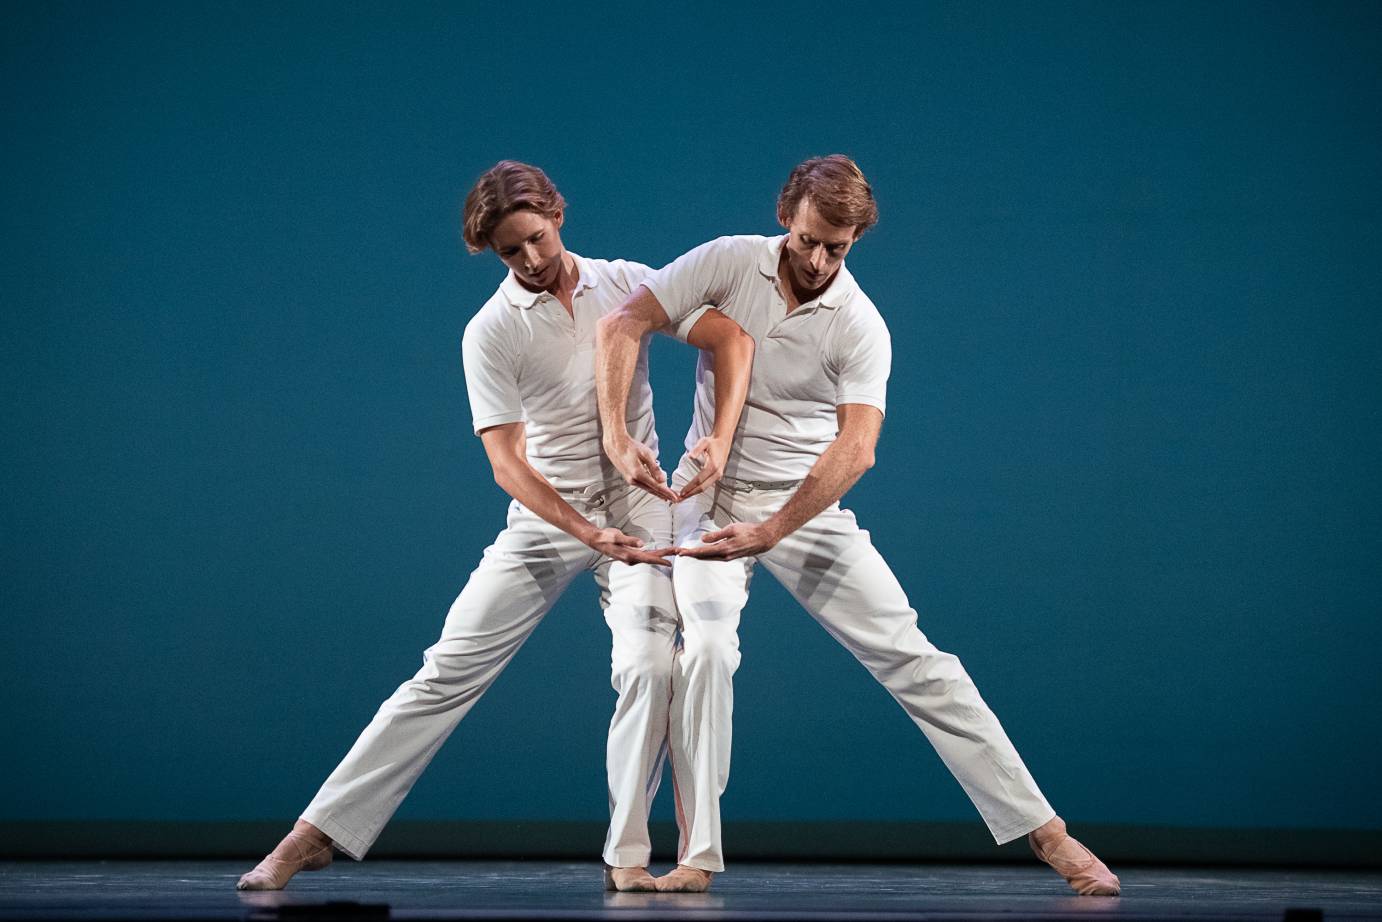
x=554, y=890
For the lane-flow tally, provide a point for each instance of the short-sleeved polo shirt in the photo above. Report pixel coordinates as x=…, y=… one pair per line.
x=526, y=359
x=827, y=352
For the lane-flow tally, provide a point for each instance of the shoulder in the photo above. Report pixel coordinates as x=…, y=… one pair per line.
x=599, y=268
x=859, y=326
x=729, y=248
x=748, y=246
x=861, y=311
x=720, y=260
x=491, y=322
x=624, y=274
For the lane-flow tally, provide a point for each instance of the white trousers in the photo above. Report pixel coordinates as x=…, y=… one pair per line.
x=522, y=574
x=830, y=566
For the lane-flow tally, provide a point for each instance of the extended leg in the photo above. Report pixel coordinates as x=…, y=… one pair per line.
x=519, y=578
x=831, y=567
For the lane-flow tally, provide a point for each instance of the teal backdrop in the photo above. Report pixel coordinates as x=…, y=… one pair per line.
x=1129, y=255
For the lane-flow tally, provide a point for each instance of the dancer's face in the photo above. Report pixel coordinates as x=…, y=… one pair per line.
x=530, y=244
x=815, y=248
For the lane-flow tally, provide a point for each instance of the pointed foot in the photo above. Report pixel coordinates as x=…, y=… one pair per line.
x=306, y=848
x=1085, y=873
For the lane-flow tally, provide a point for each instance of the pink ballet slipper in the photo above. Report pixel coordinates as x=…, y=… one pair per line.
x=300, y=850
x=1086, y=874
x=629, y=880
x=683, y=879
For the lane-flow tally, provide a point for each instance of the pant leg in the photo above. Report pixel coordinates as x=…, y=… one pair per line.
x=521, y=574
x=832, y=568
x=710, y=595
x=642, y=617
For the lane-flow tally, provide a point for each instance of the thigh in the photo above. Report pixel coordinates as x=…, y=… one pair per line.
x=831, y=567
x=710, y=593
x=520, y=575
x=638, y=598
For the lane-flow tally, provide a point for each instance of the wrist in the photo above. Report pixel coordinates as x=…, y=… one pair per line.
x=773, y=531
x=615, y=437
x=586, y=533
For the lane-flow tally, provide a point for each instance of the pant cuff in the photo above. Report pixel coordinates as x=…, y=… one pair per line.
x=346, y=841
x=713, y=865
x=626, y=859
x=1013, y=833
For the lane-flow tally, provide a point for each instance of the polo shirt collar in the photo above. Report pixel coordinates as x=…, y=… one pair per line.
x=523, y=299
x=834, y=296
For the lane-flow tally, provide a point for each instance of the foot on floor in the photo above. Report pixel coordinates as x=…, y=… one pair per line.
x=629, y=880
x=683, y=879
x=1086, y=874
x=306, y=848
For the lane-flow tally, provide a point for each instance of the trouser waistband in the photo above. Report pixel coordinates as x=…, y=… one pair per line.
x=751, y=486
x=594, y=494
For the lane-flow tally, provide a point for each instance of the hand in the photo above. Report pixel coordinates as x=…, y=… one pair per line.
x=711, y=454
x=637, y=464
x=614, y=543
x=738, y=540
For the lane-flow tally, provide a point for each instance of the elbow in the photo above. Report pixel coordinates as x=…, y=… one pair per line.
x=617, y=324
x=503, y=476
x=744, y=344
x=604, y=327
x=730, y=337
x=864, y=458
x=607, y=327
x=732, y=345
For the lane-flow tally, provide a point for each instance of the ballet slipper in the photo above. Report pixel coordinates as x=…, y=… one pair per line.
x=1086, y=874
x=683, y=879
x=629, y=880
x=301, y=850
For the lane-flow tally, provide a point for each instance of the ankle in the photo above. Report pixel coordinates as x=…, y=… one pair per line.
x=1048, y=833
x=306, y=831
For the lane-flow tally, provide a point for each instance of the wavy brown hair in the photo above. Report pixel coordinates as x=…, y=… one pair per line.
x=504, y=188
x=838, y=189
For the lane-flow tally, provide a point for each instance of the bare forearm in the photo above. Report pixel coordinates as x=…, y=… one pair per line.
x=518, y=479
x=831, y=477
x=732, y=361
x=616, y=354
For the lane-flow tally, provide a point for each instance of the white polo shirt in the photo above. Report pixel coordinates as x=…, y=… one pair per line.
x=527, y=360
x=826, y=352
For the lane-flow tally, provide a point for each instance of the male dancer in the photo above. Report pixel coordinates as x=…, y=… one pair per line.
x=529, y=367
x=808, y=432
